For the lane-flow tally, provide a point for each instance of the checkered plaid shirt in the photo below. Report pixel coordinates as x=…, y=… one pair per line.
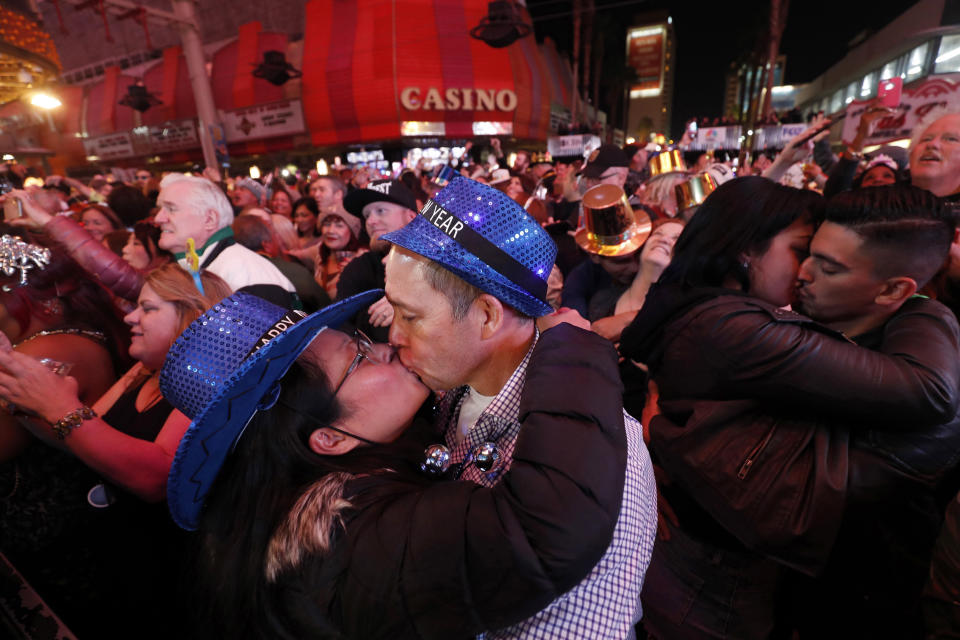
x=606, y=604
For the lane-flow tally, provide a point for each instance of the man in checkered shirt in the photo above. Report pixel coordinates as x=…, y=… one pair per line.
x=466, y=279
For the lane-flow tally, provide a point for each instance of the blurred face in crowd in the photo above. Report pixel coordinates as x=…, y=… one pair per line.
x=96, y=223
x=935, y=158
x=179, y=219
x=514, y=188
x=153, y=328
x=611, y=175
x=658, y=249
x=328, y=198
x=335, y=232
x=621, y=269
x=522, y=161
x=773, y=273
x=837, y=282
x=382, y=218
x=305, y=221
x=142, y=177
x=639, y=160
x=879, y=176
x=136, y=255
x=243, y=198
x=380, y=375
x=441, y=350
x=280, y=203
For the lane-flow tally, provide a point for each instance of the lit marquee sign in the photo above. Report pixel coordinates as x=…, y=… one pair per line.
x=646, y=54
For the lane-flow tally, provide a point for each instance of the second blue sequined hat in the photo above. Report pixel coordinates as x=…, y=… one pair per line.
x=484, y=237
x=225, y=367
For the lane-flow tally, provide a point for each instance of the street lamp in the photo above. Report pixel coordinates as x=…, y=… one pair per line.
x=45, y=100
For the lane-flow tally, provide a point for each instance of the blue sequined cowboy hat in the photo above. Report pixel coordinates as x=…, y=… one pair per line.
x=224, y=368
x=480, y=234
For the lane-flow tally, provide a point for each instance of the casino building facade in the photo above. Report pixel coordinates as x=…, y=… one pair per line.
x=385, y=80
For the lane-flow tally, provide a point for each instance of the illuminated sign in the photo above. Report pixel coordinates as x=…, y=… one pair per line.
x=413, y=99
x=645, y=53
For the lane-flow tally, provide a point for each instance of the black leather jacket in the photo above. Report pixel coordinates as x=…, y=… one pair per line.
x=723, y=356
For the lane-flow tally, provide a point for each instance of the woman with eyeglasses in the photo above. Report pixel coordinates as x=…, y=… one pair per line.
x=321, y=521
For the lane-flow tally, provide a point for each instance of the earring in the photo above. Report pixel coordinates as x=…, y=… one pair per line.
x=51, y=307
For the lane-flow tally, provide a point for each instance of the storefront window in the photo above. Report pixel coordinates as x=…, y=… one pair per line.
x=851, y=93
x=836, y=101
x=890, y=70
x=868, y=86
x=948, y=56
x=917, y=62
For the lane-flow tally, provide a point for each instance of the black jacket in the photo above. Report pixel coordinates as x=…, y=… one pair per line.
x=363, y=273
x=725, y=359
x=451, y=558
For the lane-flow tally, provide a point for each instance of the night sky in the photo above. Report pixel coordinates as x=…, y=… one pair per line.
x=711, y=36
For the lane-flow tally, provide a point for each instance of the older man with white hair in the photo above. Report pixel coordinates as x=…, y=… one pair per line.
x=197, y=209
x=935, y=154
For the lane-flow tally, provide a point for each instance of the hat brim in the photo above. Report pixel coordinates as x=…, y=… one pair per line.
x=637, y=234
x=213, y=432
x=422, y=238
x=355, y=201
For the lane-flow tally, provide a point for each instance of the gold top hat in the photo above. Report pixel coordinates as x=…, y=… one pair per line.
x=666, y=162
x=610, y=225
x=694, y=191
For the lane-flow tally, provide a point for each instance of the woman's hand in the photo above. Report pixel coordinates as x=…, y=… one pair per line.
x=34, y=216
x=30, y=385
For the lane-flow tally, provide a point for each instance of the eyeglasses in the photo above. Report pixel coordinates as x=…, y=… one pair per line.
x=364, y=347
x=364, y=350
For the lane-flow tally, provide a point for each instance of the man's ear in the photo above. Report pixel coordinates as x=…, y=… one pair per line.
x=211, y=220
x=327, y=442
x=491, y=314
x=896, y=291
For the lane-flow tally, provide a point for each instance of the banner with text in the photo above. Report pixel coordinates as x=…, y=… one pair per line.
x=264, y=121
x=917, y=100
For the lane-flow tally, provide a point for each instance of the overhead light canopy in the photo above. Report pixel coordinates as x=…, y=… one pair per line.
x=502, y=26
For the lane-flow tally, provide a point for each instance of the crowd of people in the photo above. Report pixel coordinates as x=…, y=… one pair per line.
x=641, y=393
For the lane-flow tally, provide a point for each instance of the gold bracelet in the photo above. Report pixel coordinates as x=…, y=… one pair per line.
x=65, y=425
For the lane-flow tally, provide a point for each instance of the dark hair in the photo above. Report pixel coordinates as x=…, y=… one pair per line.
x=129, y=203
x=352, y=245
x=311, y=205
x=106, y=212
x=897, y=175
x=115, y=240
x=270, y=468
x=149, y=236
x=86, y=304
x=252, y=232
x=905, y=229
x=741, y=216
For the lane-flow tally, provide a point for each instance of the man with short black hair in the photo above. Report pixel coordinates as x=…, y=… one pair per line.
x=876, y=248
x=467, y=277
